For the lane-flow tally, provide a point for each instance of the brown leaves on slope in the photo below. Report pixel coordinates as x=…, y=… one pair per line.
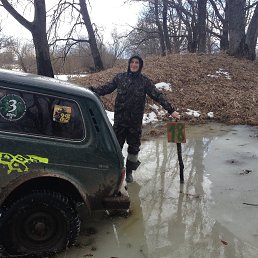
x=207, y=83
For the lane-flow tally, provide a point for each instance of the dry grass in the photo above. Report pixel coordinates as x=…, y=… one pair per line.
x=233, y=101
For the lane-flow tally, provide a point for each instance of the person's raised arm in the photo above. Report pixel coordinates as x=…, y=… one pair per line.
x=105, y=89
x=157, y=96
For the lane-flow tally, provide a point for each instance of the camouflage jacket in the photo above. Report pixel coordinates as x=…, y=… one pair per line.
x=131, y=97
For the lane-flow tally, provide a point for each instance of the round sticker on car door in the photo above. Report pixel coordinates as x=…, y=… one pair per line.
x=12, y=107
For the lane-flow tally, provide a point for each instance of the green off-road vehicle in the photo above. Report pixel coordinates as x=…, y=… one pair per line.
x=57, y=150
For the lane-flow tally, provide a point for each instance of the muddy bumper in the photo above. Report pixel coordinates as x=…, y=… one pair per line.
x=119, y=201
x=116, y=202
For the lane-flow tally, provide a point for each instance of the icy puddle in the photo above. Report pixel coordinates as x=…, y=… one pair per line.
x=213, y=214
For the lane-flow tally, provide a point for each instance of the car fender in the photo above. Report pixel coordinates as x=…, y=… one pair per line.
x=19, y=181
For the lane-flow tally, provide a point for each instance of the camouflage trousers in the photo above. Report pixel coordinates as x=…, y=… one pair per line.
x=131, y=135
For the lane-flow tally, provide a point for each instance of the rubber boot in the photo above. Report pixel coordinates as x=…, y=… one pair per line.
x=130, y=166
x=129, y=176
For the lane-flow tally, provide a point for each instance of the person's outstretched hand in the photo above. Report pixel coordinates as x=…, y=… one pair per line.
x=176, y=115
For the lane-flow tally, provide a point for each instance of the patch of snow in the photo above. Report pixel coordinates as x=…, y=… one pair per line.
x=154, y=106
x=110, y=116
x=162, y=113
x=220, y=73
x=158, y=110
x=213, y=76
x=66, y=77
x=149, y=117
x=163, y=86
x=210, y=115
x=193, y=113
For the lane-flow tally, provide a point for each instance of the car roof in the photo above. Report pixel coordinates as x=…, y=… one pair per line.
x=33, y=82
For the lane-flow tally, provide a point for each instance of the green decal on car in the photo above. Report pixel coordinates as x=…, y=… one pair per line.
x=12, y=107
x=19, y=163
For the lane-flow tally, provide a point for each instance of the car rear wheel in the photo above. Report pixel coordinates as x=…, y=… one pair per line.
x=40, y=223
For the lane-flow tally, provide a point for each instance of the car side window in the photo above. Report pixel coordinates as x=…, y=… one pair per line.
x=38, y=114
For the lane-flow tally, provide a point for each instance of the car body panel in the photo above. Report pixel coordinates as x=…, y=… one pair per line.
x=93, y=163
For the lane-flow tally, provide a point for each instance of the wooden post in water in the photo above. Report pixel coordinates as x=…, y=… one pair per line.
x=176, y=134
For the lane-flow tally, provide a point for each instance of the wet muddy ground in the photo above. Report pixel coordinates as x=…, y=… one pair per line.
x=213, y=214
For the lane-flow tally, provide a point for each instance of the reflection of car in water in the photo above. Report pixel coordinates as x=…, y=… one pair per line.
x=58, y=149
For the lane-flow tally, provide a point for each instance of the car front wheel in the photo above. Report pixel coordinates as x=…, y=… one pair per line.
x=40, y=223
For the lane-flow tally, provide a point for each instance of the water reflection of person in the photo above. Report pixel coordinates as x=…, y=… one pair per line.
x=134, y=227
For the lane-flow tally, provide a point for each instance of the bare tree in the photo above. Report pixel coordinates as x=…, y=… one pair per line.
x=38, y=30
x=165, y=26
x=159, y=10
x=187, y=11
x=79, y=18
x=25, y=55
x=221, y=11
x=5, y=41
x=144, y=38
x=93, y=43
x=160, y=30
x=236, y=27
x=178, y=31
x=251, y=36
x=7, y=59
x=201, y=25
x=242, y=44
x=118, y=46
x=77, y=61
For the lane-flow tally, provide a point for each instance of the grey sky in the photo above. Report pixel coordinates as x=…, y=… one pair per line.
x=107, y=15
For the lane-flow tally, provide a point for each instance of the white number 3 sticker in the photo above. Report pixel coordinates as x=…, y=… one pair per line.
x=13, y=105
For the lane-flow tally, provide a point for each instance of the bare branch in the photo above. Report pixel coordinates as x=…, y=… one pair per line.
x=28, y=25
x=72, y=39
x=216, y=10
x=251, y=6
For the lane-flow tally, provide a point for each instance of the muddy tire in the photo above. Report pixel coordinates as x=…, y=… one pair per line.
x=40, y=224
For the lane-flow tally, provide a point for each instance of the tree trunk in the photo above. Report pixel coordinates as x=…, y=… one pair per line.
x=236, y=27
x=201, y=25
x=160, y=31
x=92, y=39
x=224, y=43
x=38, y=31
x=165, y=26
x=251, y=36
x=40, y=40
x=44, y=65
x=192, y=39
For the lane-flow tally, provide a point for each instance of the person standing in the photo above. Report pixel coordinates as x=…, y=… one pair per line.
x=132, y=87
